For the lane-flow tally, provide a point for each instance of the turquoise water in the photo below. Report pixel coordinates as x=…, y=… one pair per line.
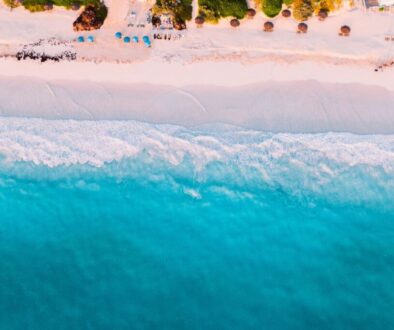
x=125, y=225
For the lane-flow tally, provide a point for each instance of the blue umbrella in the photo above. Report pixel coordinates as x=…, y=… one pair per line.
x=118, y=35
x=90, y=39
x=126, y=40
x=146, y=41
x=135, y=39
x=81, y=39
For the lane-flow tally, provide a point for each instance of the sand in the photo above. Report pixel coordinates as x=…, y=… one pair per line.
x=280, y=81
x=295, y=107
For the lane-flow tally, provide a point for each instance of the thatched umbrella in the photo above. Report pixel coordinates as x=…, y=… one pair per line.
x=75, y=6
x=48, y=6
x=199, y=20
x=268, y=26
x=156, y=21
x=302, y=28
x=345, y=30
x=235, y=23
x=286, y=13
x=322, y=14
x=250, y=13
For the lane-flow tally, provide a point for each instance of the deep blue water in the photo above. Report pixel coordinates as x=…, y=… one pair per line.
x=135, y=226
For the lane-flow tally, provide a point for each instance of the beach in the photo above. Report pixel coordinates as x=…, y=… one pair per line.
x=300, y=98
x=279, y=81
x=223, y=178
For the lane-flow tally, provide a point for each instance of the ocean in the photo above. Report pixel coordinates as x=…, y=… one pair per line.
x=129, y=225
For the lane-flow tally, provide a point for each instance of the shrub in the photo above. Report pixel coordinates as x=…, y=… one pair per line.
x=213, y=10
x=101, y=11
x=181, y=10
x=11, y=3
x=38, y=5
x=302, y=9
x=327, y=5
x=271, y=8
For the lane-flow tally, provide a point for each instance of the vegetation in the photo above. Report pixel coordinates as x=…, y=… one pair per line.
x=271, y=8
x=39, y=5
x=11, y=3
x=327, y=5
x=302, y=9
x=213, y=10
x=181, y=10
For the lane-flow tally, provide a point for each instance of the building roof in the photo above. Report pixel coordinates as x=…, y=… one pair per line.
x=386, y=2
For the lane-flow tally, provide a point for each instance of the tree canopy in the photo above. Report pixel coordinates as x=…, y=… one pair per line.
x=213, y=10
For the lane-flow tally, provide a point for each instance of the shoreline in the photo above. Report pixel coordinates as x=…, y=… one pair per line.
x=306, y=106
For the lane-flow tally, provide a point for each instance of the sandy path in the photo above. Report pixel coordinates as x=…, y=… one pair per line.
x=195, y=8
x=117, y=10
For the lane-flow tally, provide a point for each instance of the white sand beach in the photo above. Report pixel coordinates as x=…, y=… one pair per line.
x=280, y=81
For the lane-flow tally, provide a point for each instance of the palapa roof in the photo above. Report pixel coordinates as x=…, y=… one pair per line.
x=345, y=29
x=322, y=14
x=199, y=20
x=268, y=26
x=235, y=22
x=75, y=6
x=48, y=6
x=286, y=13
x=251, y=12
x=302, y=27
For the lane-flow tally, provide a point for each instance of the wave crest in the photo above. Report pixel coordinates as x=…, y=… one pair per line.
x=67, y=142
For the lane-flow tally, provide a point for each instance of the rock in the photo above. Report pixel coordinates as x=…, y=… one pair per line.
x=47, y=50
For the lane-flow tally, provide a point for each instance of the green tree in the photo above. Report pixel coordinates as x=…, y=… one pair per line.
x=213, y=10
x=271, y=8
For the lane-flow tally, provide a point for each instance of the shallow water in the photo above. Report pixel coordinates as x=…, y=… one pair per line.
x=125, y=225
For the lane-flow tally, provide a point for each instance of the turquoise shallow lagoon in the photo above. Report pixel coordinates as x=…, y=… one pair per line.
x=125, y=225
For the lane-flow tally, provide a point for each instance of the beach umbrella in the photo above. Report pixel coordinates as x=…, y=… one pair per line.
x=48, y=6
x=135, y=39
x=118, y=35
x=322, y=14
x=302, y=28
x=268, y=26
x=146, y=41
x=81, y=39
x=199, y=20
x=75, y=6
x=286, y=13
x=126, y=40
x=345, y=30
x=90, y=39
x=250, y=13
x=235, y=23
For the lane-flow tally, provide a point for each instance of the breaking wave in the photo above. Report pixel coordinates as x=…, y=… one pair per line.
x=338, y=164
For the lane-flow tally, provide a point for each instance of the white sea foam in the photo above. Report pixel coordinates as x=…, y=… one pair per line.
x=337, y=166
x=55, y=143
